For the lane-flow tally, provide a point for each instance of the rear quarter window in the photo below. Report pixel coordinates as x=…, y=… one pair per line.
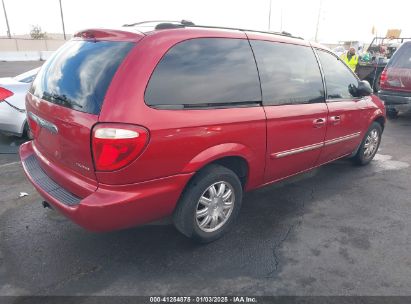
x=79, y=73
x=205, y=72
x=402, y=58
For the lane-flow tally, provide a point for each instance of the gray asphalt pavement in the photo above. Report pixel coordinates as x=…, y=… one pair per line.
x=11, y=69
x=337, y=230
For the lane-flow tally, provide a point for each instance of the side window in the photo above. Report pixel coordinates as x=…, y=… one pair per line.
x=289, y=73
x=339, y=79
x=402, y=58
x=205, y=71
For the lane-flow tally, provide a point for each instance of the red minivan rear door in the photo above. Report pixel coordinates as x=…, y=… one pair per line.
x=397, y=75
x=293, y=99
x=64, y=102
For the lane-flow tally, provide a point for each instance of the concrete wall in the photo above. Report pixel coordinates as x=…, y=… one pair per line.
x=25, y=55
x=16, y=49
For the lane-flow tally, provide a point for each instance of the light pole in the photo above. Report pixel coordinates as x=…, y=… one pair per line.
x=269, y=17
x=62, y=20
x=7, y=20
x=318, y=21
x=281, y=19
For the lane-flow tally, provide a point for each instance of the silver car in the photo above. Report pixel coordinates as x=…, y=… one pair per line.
x=12, y=108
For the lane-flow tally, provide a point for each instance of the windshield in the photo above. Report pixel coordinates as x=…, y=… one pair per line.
x=78, y=74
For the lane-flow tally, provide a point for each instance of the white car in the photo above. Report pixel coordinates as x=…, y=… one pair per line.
x=13, y=91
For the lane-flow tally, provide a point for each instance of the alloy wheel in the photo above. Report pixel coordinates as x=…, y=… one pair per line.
x=215, y=206
x=371, y=143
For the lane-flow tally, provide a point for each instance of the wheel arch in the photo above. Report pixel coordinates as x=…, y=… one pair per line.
x=378, y=116
x=381, y=120
x=237, y=164
x=235, y=157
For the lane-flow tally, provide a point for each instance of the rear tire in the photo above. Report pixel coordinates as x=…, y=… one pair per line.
x=209, y=204
x=369, y=145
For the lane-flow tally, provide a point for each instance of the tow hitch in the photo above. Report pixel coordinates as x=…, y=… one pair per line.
x=46, y=205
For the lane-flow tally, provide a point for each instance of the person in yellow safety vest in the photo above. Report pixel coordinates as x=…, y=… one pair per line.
x=350, y=58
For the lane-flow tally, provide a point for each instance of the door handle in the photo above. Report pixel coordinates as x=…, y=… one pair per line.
x=335, y=119
x=319, y=122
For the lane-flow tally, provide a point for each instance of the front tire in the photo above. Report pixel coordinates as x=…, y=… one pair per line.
x=209, y=204
x=392, y=113
x=369, y=146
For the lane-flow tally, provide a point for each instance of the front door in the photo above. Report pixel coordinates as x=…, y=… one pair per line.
x=347, y=114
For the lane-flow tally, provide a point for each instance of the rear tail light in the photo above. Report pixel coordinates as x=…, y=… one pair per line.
x=383, y=78
x=4, y=93
x=117, y=145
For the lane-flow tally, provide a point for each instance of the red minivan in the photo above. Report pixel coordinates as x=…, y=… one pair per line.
x=131, y=127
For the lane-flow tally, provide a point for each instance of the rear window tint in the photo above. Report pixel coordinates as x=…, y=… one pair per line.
x=78, y=74
x=402, y=58
x=205, y=71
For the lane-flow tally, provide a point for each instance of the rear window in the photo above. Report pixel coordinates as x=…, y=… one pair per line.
x=78, y=74
x=205, y=72
x=402, y=58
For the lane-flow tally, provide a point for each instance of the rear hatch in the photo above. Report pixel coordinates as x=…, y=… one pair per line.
x=65, y=99
x=397, y=74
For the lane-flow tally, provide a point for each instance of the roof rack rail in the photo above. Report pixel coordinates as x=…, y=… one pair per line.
x=283, y=33
x=167, y=24
x=162, y=23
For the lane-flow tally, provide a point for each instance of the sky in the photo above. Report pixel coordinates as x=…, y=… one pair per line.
x=339, y=19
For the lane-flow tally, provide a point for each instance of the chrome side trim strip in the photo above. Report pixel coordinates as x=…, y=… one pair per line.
x=297, y=150
x=343, y=138
x=314, y=146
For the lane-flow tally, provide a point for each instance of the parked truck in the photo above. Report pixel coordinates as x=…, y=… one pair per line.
x=376, y=57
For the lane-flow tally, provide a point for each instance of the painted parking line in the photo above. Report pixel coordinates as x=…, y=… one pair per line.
x=10, y=164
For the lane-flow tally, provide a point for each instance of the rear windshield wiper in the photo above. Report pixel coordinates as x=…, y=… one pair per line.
x=61, y=99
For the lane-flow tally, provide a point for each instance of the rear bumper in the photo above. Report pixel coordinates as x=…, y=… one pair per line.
x=11, y=120
x=392, y=98
x=108, y=207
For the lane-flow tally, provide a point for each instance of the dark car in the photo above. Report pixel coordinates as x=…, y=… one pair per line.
x=131, y=127
x=395, y=82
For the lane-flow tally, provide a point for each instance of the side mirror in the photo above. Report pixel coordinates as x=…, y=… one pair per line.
x=364, y=89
